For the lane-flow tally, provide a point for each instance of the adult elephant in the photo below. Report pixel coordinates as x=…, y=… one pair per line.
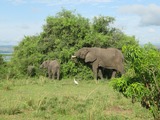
x=53, y=68
x=99, y=58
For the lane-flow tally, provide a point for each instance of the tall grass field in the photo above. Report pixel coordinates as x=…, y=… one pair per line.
x=41, y=99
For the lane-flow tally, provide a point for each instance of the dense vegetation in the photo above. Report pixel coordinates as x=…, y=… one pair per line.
x=62, y=35
x=142, y=78
x=3, y=68
x=66, y=32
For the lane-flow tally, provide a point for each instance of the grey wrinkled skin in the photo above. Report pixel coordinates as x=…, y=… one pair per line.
x=53, y=68
x=109, y=58
x=31, y=71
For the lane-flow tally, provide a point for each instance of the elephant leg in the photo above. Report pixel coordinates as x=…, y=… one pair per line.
x=114, y=73
x=100, y=73
x=58, y=73
x=120, y=69
x=53, y=74
x=95, y=69
x=49, y=73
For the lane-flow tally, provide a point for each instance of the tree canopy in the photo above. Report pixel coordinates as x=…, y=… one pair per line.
x=62, y=35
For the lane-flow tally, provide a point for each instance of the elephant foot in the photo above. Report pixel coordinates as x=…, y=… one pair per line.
x=96, y=81
x=113, y=74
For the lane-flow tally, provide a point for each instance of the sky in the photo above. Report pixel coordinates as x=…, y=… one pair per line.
x=139, y=18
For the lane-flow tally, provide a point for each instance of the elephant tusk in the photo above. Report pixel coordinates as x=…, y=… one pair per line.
x=73, y=56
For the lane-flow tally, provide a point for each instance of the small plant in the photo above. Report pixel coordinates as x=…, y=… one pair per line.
x=119, y=84
x=7, y=85
x=11, y=109
x=136, y=91
x=42, y=80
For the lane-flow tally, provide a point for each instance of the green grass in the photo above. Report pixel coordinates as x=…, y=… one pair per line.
x=41, y=98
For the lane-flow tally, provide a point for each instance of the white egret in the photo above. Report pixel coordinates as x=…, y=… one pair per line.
x=75, y=82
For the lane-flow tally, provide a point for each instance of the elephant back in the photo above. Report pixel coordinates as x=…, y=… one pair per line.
x=55, y=63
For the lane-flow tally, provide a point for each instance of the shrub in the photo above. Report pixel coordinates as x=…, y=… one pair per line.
x=62, y=35
x=144, y=83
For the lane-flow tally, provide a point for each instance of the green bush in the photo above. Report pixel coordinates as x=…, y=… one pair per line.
x=143, y=75
x=62, y=35
x=3, y=68
x=120, y=84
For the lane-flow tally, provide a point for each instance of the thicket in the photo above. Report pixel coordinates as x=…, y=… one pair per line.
x=142, y=79
x=62, y=35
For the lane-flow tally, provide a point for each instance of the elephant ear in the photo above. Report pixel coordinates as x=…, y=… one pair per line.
x=90, y=57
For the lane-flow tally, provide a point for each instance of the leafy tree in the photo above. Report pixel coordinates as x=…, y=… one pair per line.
x=62, y=35
x=26, y=54
x=101, y=24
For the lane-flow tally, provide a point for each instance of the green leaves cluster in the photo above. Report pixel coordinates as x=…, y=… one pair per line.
x=142, y=78
x=25, y=54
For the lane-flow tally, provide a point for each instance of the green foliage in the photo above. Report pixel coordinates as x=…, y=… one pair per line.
x=3, y=68
x=62, y=35
x=120, y=84
x=143, y=75
x=136, y=89
x=26, y=54
x=1, y=59
x=101, y=24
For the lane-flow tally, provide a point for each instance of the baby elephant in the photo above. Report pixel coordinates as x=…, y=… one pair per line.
x=31, y=71
x=53, y=68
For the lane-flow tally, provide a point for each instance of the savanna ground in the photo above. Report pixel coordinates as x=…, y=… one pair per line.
x=41, y=98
